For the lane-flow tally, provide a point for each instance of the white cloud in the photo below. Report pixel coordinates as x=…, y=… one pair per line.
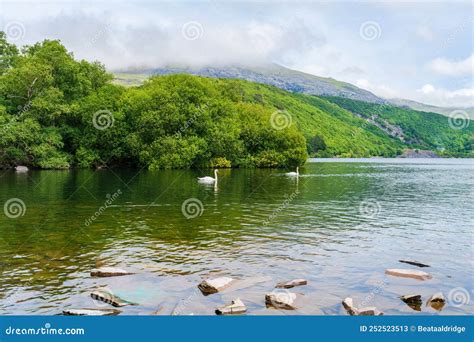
x=378, y=89
x=306, y=36
x=427, y=89
x=443, y=66
x=162, y=42
x=430, y=94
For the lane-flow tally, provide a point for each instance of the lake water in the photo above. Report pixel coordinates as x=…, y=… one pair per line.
x=340, y=225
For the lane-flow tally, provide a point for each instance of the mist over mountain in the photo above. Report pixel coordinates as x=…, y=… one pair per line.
x=271, y=74
x=433, y=109
x=287, y=79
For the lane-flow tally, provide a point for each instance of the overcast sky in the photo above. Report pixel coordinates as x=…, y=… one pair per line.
x=417, y=50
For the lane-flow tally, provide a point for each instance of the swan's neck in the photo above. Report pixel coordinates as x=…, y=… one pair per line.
x=297, y=171
x=215, y=175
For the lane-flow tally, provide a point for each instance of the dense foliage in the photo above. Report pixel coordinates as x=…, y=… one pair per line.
x=340, y=133
x=57, y=112
x=431, y=131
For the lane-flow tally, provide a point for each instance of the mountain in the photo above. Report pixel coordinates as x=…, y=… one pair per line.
x=417, y=129
x=404, y=103
x=350, y=123
x=275, y=75
x=288, y=79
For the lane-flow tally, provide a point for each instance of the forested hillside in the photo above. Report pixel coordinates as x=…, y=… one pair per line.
x=58, y=112
x=448, y=136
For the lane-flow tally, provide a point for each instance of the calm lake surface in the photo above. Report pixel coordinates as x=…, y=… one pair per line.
x=339, y=226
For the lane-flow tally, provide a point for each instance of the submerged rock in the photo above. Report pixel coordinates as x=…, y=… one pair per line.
x=236, y=307
x=20, y=168
x=109, y=272
x=348, y=304
x=406, y=273
x=91, y=312
x=281, y=300
x=215, y=285
x=369, y=311
x=110, y=298
x=413, y=301
x=240, y=284
x=414, y=263
x=291, y=283
x=437, y=301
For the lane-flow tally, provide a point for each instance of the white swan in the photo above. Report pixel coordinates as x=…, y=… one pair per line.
x=207, y=179
x=293, y=174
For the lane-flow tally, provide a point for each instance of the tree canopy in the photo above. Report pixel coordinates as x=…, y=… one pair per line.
x=57, y=112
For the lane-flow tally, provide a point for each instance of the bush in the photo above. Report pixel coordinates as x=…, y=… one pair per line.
x=220, y=163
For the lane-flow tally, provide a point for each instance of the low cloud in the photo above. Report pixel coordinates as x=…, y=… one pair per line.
x=305, y=36
x=446, y=67
x=378, y=89
x=430, y=94
x=186, y=42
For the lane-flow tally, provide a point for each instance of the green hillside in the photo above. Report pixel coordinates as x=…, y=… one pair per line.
x=418, y=129
x=341, y=133
x=58, y=112
x=270, y=74
x=342, y=127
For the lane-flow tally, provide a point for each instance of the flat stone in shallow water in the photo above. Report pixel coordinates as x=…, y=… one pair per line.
x=436, y=301
x=411, y=298
x=284, y=300
x=406, y=273
x=215, y=285
x=109, y=298
x=369, y=311
x=236, y=307
x=413, y=301
x=291, y=283
x=91, y=312
x=348, y=304
x=109, y=272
